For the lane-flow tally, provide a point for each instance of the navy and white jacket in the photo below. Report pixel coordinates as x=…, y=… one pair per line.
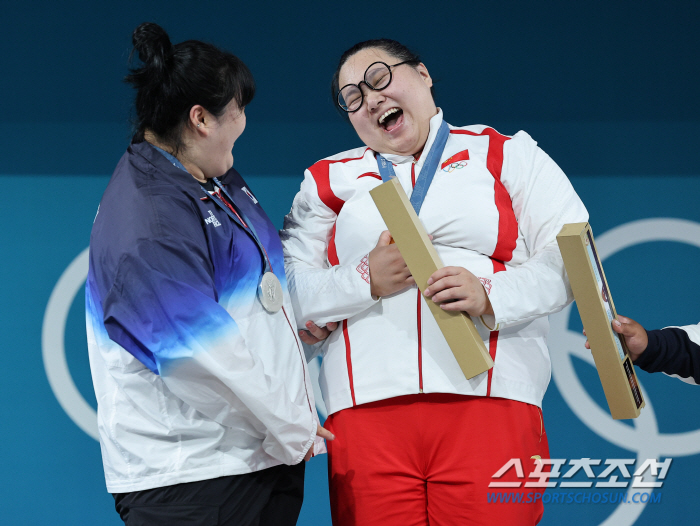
x=674, y=351
x=194, y=379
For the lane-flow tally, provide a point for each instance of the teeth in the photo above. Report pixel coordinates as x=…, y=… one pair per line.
x=386, y=114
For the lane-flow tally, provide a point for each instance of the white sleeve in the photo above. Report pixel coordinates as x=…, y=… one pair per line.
x=693, y=332
x=694, y=336
x=320, y=292
x=543, y=201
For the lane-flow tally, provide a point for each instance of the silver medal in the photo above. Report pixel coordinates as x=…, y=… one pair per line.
x=270, y=292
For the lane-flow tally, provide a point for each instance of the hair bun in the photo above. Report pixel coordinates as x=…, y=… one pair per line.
x=153, y=45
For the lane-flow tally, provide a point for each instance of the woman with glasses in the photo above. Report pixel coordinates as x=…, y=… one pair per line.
x=418, y=443
x=205, y=410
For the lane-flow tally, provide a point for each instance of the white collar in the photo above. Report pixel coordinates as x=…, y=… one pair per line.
x=435, y=122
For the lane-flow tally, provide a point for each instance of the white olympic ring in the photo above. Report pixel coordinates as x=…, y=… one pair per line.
x=644, y=437
x=53, y=347
x=314, y=371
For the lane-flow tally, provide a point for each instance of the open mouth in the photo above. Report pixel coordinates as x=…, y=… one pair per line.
x=391, y=119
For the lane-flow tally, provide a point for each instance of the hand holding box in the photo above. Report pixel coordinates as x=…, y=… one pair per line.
x=597, y=311
x=423, y=260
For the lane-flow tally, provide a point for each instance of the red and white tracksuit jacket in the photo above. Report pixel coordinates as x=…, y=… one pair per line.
x=495, y=207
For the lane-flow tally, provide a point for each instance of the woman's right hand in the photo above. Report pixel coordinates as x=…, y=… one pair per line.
x=388, y=272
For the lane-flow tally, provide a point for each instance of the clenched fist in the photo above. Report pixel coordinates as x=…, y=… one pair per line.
x=388, y=272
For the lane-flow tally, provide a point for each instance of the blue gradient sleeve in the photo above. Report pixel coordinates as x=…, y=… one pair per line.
x=163, y=309
x=162, y=299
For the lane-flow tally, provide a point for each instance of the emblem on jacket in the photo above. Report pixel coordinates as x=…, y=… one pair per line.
x=212, y=220
x=457, y=161
x=363, y=268
x=249, y=194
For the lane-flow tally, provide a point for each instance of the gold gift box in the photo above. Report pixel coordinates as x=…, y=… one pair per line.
x=597, y=310
x=423, y=260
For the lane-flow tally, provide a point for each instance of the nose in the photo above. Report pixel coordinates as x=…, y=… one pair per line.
x=374, y=99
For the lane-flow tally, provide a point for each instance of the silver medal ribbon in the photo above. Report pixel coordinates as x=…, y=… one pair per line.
x=269, y=289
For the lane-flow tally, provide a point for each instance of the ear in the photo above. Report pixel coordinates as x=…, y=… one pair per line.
x=199, y=119
x=423, y=72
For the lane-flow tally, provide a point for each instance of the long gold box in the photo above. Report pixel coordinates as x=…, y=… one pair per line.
x=597, y=311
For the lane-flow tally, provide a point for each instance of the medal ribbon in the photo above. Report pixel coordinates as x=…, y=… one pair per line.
x=426, y=173
x=246, y=224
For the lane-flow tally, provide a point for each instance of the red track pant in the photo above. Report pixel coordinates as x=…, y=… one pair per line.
x=428, y=459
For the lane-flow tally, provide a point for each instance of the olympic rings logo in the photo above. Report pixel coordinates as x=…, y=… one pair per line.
x=644, y=438
x=454, y=166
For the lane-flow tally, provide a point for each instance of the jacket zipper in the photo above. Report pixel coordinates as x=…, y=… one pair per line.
x=303, y=362
x=418, y=308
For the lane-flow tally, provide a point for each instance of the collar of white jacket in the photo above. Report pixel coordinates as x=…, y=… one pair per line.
x=435, y=123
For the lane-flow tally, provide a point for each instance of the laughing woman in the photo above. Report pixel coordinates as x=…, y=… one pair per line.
x=417, y=442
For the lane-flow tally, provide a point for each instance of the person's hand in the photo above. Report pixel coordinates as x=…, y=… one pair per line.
x=314, y=334
x=388, y=272
x=457, y=289
x=323, y=433
x=635, y=335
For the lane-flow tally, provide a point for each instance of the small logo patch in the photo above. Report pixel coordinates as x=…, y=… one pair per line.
x=363, y=268
x=212, y=220
x=249, y=194
x=486, y=282
x=456, y=162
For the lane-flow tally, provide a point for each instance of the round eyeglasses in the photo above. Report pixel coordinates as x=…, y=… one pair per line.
x=377, y=77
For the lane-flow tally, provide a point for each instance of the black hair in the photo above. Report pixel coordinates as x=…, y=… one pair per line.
x=172, y=79
x=391, y=47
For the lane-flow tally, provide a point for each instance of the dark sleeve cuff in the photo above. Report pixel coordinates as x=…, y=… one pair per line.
x=651, y=353
x=671, y=351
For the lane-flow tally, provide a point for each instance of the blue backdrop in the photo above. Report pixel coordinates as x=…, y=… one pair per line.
x=609, y=91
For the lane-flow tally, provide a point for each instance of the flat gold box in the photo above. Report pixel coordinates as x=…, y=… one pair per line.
x=597, y=311
x=423, y=260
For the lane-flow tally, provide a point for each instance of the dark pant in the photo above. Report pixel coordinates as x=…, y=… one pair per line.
x=271, y=497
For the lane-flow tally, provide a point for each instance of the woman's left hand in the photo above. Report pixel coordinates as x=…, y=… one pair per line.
x=320, y=432
x=457, y=289
x=315, y=334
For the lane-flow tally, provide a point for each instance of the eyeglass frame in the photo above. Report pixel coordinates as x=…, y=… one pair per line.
x=364, y=81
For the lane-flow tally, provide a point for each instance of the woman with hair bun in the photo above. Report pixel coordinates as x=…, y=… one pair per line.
x=418, y=443
x=205, y=410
